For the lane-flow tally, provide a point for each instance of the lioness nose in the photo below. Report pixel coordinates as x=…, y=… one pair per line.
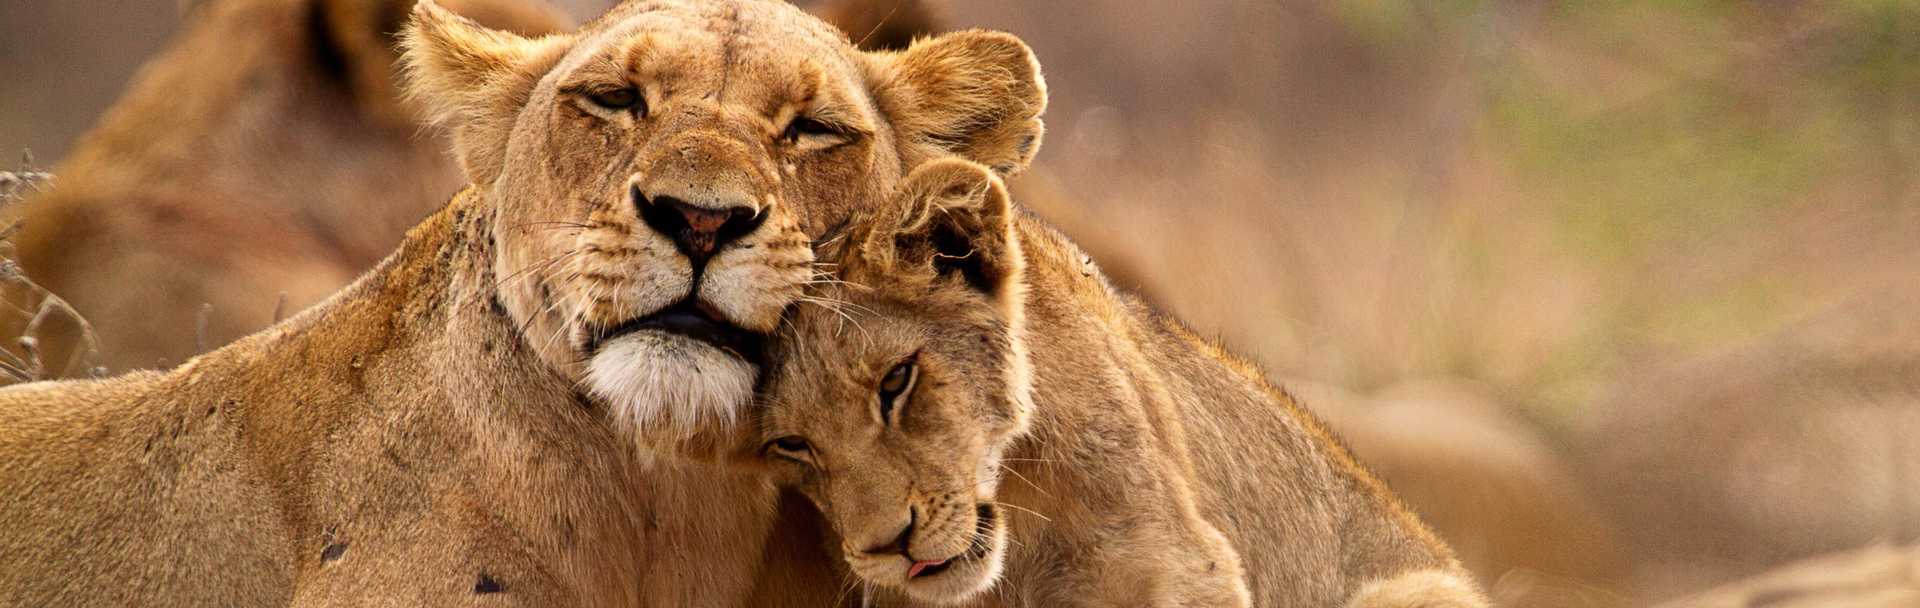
x=697, y=230
x=898, y=546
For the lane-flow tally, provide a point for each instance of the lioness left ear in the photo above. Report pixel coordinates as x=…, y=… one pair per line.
x=473, y=79
x=973, y=94
x=954, y=218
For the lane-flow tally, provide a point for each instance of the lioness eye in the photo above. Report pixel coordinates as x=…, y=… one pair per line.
x=803, y=126
x=792, y=447
x=791, y=443
x=896, y=384
x=616, y=99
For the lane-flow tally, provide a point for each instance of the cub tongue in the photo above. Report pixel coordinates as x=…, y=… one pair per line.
x=922, y=565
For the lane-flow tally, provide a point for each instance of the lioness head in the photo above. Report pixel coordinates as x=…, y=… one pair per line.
x=655, y=175
x=894, y=397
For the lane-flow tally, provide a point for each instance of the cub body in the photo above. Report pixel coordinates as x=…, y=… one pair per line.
x=970, y=398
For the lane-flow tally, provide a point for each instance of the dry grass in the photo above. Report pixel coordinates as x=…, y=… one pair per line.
x=26, y=307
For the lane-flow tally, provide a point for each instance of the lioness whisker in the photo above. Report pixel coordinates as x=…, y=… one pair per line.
x=1045, y=460
x=537, y=266
x=1023, y=478
x=524, y=325
x=834, y=307
x=852, y=582
x=794, y=330
x=1024, y=510
x=553, y=223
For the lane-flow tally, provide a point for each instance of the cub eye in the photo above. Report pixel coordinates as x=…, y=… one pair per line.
x=896, y=384
x=792, y=447
x=616, y=99
x=806, y=127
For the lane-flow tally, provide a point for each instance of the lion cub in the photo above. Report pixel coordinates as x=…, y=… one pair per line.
x=968, y=401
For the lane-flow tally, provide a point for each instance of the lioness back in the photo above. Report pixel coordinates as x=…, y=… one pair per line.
x=85, y=461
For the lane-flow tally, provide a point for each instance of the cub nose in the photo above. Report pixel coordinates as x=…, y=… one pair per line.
x=697, y=230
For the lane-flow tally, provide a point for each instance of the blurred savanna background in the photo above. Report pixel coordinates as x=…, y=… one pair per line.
x=1624, y=297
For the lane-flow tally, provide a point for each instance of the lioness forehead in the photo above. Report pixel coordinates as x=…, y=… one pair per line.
x=760, y=52
x=746, y=19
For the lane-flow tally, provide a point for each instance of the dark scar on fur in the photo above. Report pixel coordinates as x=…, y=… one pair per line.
x=333, y=552
x=334, y=548
x=486, y=584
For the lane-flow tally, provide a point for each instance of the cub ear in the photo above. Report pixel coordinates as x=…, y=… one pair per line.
x=474, y=80
x=950, y=218
x=973, y=94
x=357, y=42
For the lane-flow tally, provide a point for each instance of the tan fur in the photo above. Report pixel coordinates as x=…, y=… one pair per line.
x=1419, y=589
x=1148, y=467
x=442, y=431
x=264, y=151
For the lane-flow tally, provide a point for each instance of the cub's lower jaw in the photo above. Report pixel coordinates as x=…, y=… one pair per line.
x=966, y=576
x=958, y=580
x=666, y=384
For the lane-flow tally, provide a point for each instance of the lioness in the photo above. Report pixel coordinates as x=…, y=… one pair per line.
x=1143, y=466
x=475, y=419
x=265, y=151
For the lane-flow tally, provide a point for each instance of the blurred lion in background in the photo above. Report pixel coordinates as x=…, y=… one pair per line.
x=1795, y=445
x=257, y=164
x=1511, y=507
x=266, y=151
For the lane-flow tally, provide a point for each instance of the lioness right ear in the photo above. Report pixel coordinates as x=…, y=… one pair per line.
x=357, y=40
x=973, y=94
x=473, y=80
x=950, y=218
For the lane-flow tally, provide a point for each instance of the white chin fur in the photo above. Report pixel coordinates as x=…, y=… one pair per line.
x=665, y=384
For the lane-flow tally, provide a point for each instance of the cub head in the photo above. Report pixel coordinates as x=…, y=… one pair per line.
x=654, y=177
x=903, y=380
